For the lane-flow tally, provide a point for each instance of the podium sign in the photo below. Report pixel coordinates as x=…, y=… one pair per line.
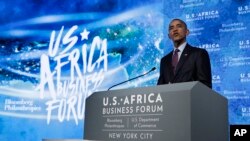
x=176, y=112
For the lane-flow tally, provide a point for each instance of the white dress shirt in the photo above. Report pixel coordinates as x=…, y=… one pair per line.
x=181, y=48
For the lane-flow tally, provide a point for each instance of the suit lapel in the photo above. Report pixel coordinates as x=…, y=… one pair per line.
x=170, y=67
x=183, y=58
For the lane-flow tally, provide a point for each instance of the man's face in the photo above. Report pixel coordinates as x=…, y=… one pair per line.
x=177, y=31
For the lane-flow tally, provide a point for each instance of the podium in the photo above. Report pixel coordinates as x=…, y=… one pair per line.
x=66, y=140
x=187, y=111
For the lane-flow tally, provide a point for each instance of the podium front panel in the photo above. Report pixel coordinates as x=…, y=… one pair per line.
x=154, y=113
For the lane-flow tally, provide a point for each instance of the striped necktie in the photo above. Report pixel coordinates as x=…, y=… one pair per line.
x=175, y=59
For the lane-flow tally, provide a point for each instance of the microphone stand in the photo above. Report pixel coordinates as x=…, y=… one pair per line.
x=132, y=78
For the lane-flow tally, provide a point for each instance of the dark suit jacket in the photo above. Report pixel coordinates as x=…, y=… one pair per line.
x=194, y=65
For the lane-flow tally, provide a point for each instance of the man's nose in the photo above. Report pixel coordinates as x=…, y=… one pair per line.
x=175, y=29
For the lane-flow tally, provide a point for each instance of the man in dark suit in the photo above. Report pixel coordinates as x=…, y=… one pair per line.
x=185, y=63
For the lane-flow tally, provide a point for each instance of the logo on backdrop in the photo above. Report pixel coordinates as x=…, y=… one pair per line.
x=245, y=111
x=191, y=3
x=70, y=72
x=233, y=27
x=236, y=94
x=244, y=77
x=243, y=9
x=204, y=15
x=216, y=79
x=196, y=31
x=235, y=61
x=210, y=47
x=244, y=44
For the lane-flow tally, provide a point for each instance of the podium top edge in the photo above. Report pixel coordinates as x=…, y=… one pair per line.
x=184, y=86
x=68, y=140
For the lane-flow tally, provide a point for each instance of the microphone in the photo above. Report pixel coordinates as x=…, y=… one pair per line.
x=132, y=78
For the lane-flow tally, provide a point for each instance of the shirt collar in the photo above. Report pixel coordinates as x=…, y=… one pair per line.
x=181, y=47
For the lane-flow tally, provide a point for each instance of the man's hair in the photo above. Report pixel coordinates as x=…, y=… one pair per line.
x=179, y=21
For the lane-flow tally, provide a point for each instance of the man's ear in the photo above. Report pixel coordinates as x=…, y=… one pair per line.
x=187, y=32
x=169, y=36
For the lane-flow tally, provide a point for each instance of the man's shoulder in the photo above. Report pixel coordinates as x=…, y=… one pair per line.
x=167, y=56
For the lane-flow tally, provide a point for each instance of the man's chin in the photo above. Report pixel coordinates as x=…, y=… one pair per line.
x=180, y=41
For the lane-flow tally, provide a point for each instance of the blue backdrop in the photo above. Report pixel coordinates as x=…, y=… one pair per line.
x=54, y=54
